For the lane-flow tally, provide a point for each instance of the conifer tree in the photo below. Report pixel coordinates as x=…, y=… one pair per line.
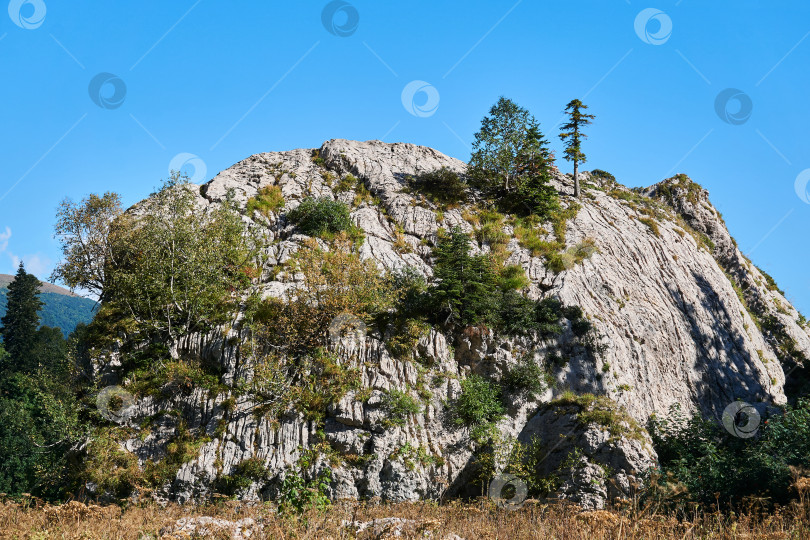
x=21, y=319
x=572, y=134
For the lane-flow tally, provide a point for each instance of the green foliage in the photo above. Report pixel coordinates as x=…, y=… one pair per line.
x=321, y=217
x=326, y=382
x=603, y=411
x=465, y=285
x=112, y=469
x=571, y=134
x=21, y=319
x=716, y=467
x=405, y=334
x=478, y=407
x=39, y=422
x=491, y=228
x=39, y=419
x=171, y=269
x=243, y=476
x=680, y=186
x=568, y=259
x=182, y=448
x=441, y=186
x=527, y=377
x=468, y=291
x=268, y=200
x=398, y=406
x=87, y=235
x=511, y=159
x=297, y=495
x=171, y=377
x=770, y=282
x=603, y=175
x=516, y=314
x=335, y=282
x=349, y=183
x=524, y=460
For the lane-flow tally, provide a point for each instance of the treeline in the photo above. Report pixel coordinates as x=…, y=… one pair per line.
x=39, y=409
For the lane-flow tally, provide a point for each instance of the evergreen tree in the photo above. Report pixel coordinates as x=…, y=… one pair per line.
x=572, y=134
x=21, y=320
x=511, y=158
x=465, y=287
x=534, y=193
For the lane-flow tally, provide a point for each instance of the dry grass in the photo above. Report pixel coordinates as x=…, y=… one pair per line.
x=473, y=520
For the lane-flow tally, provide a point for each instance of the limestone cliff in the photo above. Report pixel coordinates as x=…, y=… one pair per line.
x=680, y=316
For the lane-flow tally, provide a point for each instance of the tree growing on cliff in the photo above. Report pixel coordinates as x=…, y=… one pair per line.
x=465, y=285
x=87, y=235
x=21, y=319
x=170, y=266
x=511, y=159
x=571, y=134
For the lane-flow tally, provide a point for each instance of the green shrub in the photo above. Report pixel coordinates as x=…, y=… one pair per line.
x=404, y=336
x=442, y=186
x=242, y=477
x=513, y=277
x=599, y=173
x=603, y=411
x=516, y=314
x=527, y=377
x=478, y=407
x=268, y=200
x=398, y=406
x=348, y=183
x=321, y=217
x=716, y=467
x=297, y=495
x=557, y=262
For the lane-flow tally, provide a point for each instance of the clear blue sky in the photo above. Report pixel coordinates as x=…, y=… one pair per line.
x=224, y=80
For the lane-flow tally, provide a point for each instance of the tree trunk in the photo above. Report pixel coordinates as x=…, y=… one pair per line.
x=576, y=181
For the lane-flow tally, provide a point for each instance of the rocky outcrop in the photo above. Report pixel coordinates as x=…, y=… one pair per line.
x=669, y=328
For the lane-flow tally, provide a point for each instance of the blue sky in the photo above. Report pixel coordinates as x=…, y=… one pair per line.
x=221, y=81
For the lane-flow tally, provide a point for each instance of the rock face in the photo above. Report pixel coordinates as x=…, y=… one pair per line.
x=672, y=329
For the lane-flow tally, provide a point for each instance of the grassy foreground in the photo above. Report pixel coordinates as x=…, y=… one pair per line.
x=475, y=520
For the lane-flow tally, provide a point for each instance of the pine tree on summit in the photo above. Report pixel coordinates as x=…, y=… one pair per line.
x=572, y=134
x=21, y=320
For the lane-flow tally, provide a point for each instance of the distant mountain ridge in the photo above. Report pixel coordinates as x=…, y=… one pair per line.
x=63, y=309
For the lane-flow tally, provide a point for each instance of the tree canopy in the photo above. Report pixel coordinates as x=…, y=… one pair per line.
x=170, y=266
x=512, y=161
x=21, y=319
